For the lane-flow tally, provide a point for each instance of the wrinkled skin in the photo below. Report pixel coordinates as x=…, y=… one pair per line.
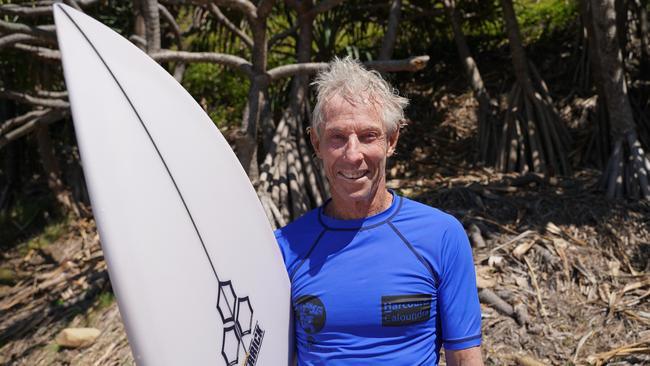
x=353, y=145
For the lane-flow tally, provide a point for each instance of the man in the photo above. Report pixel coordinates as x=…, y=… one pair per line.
x=376, y=279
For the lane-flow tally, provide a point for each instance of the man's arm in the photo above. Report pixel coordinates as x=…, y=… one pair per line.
x=464, y=357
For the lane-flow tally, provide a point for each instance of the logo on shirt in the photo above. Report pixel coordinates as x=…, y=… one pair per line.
x=398, y=310
x=310, y=313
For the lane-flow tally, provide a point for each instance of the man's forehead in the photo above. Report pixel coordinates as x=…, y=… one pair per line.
x=338, y=105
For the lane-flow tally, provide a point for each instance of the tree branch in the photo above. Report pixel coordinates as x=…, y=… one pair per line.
x=388, y=44
x=29, y=99
x=172, y=22
x=21, y=120
x=52, y=93
x=264, y=8
x=151, y=14
x=245, y=6
x=46, y=118
x=20, y=37
x=279, y=36
x=24, y=11
x=410, y=64
x=221, y=17
x=46, y=31
x=179, y=68
x=235, y=62
x=140, y=42
x=43, y=52
x=322, y=7
x=73, y=4
x=35, y=11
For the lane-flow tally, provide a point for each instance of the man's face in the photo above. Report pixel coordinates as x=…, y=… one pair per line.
x=353, y=146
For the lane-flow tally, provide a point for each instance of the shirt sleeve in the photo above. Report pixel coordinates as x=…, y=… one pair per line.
x=460, y=310
x=282, y=243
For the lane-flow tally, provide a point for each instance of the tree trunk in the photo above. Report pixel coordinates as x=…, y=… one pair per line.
x=533, y=137
x=621, y=7
x=628, y=167
x=487, y=125
x=151, y=15
x=611, y=62
x=53, y=171
x=290, y=181
x=644, y=34
x=139, y=25
x=519, y=59
x=388, y=44
x=597, y=148
x=247, y=153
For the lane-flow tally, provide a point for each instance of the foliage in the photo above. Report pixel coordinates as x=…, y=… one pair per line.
x=355, y=30
x=105, y=299
x=221, y=92
x=49, y=235
x=543, y=18
x=21, y=217
x=116, y=14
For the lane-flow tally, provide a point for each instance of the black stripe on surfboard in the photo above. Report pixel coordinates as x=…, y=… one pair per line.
x=162, y=159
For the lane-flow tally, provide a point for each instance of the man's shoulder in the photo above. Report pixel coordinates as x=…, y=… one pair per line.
x=429, y=230
x=432, y=217
x=305, y=225
x=295, y=237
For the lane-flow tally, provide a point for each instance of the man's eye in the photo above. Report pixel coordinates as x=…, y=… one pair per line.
x=369, y=137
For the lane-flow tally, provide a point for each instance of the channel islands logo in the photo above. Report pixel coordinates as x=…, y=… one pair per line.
x=311, y=314
x=237, y=316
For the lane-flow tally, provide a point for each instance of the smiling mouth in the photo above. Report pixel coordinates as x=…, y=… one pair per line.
x=353, y=175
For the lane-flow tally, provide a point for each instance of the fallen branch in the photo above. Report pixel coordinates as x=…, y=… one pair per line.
x=642, y=346
x=488, y=297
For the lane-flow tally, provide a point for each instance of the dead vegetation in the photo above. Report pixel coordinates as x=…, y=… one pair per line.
x=61, y=285
x=563, y=273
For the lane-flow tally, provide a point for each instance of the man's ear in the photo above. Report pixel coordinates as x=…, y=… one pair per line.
x=315, y=142
x=392, y=141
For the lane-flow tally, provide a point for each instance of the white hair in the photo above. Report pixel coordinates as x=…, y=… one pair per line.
x=348, y=79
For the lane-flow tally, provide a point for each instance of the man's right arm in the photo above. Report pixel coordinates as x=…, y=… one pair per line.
x=464, y=357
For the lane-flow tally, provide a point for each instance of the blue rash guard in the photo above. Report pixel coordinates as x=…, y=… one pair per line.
x=390, y=289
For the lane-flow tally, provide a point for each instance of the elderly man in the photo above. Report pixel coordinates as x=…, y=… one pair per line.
x=376, y=279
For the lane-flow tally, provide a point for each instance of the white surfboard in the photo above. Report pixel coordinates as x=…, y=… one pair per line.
x=197, y=273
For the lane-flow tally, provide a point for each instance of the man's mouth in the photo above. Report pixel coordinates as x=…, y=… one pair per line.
x=353, y=174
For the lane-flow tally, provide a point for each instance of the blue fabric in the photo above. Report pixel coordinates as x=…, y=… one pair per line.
x=390, y=289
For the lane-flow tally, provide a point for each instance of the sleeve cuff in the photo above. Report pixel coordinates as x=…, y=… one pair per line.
x=462, y=343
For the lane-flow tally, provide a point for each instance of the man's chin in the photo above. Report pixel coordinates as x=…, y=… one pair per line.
x=354, y=195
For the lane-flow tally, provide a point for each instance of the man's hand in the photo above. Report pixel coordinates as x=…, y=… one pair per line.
x=464, y=357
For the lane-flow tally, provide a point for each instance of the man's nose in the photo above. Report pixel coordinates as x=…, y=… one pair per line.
x=353, y=149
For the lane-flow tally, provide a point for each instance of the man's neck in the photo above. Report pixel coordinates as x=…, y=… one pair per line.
x=339, y=209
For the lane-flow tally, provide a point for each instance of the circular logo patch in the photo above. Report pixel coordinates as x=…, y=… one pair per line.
x=310, y=313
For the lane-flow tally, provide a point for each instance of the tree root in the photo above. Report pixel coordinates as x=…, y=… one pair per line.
x=626, y=174
x=533, y=137
x=289, y=182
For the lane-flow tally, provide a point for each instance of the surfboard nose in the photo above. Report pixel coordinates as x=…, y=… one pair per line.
x=58, y=7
